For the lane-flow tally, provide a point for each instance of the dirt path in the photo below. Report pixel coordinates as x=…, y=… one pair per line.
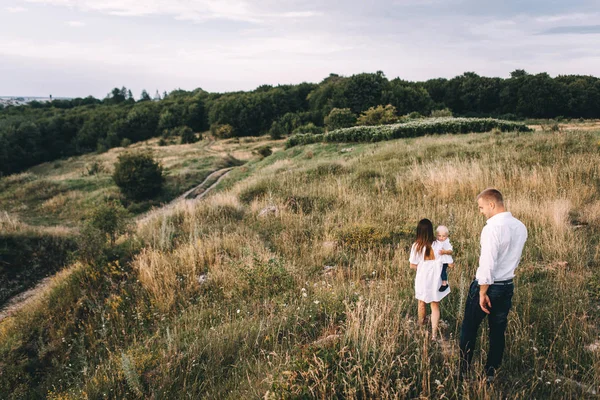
x=19, y=301
x=196, y=193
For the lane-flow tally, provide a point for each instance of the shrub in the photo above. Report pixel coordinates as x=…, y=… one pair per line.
x=264, y=151
x=441, y=113
x=110, y=219
x=277, y=130
x=94, y=168
x=125, y=142
x=308, y=128
x=364, y=236
x=266, y=279
x=222, y=131
x=260, y=189
x=187, y=135
x=138, y=175
x=413, y=128
x=340, y=118
x=379, y=115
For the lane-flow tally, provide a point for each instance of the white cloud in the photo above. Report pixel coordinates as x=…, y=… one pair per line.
x=76, y=24
x=567, y=17
x=195, y=10
x=15, y=9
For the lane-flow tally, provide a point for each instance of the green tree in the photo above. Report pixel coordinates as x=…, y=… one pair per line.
x=340, y=118
x=110, y=218
x=144, y=96
x=379, y=115
x=138, y=175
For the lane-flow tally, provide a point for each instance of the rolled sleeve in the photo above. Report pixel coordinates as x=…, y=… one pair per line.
x=488, y=257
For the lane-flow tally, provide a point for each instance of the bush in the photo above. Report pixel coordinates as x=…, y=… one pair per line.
x=187, y=135
x=379, y=115
x=364, y=236
x=138, y=175
x=308, y=128
x=413, y=128
x=264, y=151
x=340, y=118
x=125, y=142
x=222, y=131
x=441, y=113
x=109, y=218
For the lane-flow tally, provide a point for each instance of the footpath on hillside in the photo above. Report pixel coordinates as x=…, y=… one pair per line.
x=196, y=193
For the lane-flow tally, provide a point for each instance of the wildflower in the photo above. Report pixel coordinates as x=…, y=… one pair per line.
x=238, y=311
x=316, y=301
x=557, y=381
x=437, y=382
x=304, y=294
x=535, y=349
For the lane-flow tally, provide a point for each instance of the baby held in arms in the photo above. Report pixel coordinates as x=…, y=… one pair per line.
x=443, y=250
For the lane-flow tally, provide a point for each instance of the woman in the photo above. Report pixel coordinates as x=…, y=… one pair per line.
x=428, y=279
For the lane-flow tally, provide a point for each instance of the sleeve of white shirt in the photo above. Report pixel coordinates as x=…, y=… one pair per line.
x=448, y=246
x=414, y=258
x=489, y=254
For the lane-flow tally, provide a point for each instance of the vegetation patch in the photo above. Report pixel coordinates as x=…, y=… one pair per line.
x=415, y=128
x=28, y=257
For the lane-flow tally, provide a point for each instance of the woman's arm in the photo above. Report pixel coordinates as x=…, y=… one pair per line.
x=413, y=266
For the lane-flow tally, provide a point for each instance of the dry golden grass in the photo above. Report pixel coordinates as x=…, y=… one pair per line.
x=271, y=321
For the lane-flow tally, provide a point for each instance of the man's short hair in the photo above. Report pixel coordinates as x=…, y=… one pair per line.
x=493, y=195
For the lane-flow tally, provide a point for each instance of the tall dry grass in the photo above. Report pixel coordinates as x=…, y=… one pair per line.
x=316, y=300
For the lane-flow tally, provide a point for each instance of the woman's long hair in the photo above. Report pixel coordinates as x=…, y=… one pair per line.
x=425, y=238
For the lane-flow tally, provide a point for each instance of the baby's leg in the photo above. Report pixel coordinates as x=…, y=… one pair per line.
x=444, y=277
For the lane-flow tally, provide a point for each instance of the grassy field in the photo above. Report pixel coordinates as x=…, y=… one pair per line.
x=62, y=192
x=315, y=299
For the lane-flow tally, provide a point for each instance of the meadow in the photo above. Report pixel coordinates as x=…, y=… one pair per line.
x=314, y=297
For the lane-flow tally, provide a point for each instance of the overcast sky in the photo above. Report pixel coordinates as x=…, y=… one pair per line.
x=86, y=47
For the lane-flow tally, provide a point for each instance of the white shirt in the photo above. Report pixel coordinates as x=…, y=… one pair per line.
x=445, y=245
x=502, y=242
x=416, y=258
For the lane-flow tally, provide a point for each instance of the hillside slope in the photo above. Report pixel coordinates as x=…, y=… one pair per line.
x=293, y=282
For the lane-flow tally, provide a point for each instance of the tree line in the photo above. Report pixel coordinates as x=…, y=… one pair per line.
x=41, y=132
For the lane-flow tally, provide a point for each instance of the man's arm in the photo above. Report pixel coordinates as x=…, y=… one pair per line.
x=487, y=261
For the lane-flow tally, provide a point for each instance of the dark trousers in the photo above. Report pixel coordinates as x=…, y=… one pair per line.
x=501, y=299
x=444, y=272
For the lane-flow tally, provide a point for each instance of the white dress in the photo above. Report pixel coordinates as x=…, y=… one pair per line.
x=429, y=277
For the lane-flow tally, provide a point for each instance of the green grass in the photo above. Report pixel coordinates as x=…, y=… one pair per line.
x=270, y=322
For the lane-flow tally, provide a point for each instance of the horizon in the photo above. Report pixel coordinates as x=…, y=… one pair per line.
x=150, y=92
x=79, y=48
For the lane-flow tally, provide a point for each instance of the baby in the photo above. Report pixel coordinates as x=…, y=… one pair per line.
x=443, y=248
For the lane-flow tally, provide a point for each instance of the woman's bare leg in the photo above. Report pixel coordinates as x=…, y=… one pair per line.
x=435, y=318
x=422, y=312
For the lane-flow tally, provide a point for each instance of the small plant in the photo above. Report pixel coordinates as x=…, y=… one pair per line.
x=126, y=142
x=110, y=219
x=441, y=113
x=364, y=236
x=264, y=151
x=94, y=168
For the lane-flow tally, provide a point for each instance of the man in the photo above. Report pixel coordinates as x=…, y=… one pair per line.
x=490, y=294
